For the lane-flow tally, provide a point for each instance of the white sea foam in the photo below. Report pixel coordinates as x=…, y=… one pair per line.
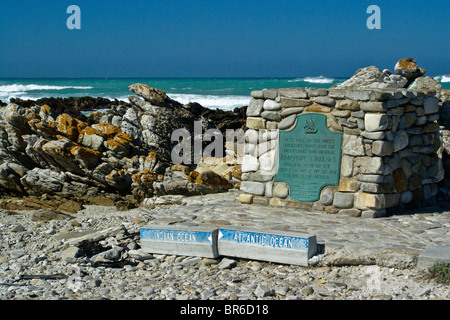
x=213, y=101
x=121, y=98
x=320, y=79
x=31, y=91
x=13, y=88
x=443, y=78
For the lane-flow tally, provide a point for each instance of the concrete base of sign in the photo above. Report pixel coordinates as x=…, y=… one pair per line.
x=274, y=246
x=433, y=255
x=180, y=240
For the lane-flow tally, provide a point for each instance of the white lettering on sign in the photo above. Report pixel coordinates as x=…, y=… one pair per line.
x=263, y=240
x=175, y=236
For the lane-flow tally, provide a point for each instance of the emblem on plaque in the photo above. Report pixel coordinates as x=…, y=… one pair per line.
x=310, y=128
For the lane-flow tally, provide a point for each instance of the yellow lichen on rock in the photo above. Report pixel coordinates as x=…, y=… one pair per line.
x=69, y=126
x=108, y=129
x=88, y=158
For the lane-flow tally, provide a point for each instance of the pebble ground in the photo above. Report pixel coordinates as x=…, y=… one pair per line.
x=360, y=259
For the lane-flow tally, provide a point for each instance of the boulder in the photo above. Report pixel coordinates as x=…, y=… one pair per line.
x=154, y=96
x=178, y=179
x=426, y=83
x=408, y=69
x=373, y=78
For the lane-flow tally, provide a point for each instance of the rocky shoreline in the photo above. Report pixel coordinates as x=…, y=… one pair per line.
x=54, y=155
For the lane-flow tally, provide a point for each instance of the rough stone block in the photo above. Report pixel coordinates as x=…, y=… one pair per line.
x=316, y=92
x=347, y=105
x=272, y=125
x=249, y=163
x=256, y=123
x=353, y=146
x=291, y=111
x=326, y=101
x=361, y=95
x=287, y=123
x=376, y=122
x=347, y=166
x=373, y=213
x=280, y=190
x=245, y=198
x=343, y=200
x=260, y=176
x=255, y=107
x=180, y=240
x=260, y=200
x=296, y=93
x=431, y=105
x=382, y=148
x=271, y=115
x=337, y=93
x=270, y=93
x=401, y=140
x=370, y=165
x=326, y=197
x=400, y=180
x=373, y=106
x=377, y=135
x=431, y=127
x=257, y=94
x=267, y=245
x=270, y=105
x=348, y=185
x=277, y=202
x=376, y=187
x=318, y=108
x=369, y=201
x=267, y=162
x=252, y=187
x=269, y=189
x=371, y=178
x=355, y=213
x=294, y=103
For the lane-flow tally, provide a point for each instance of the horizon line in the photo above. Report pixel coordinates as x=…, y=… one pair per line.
x=107, y=78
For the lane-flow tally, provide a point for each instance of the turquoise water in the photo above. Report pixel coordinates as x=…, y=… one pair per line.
x=222, y=93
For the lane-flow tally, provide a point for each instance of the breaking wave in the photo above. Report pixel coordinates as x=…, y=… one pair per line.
x=213, y=101
x=320, y=79
x=443, y=78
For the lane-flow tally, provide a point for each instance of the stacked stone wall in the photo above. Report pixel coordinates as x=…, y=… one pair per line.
x=390, y=152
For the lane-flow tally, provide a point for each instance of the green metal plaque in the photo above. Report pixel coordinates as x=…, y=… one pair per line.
x=309, y=157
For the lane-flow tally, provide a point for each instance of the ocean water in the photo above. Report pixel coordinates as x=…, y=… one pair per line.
x=222, y=93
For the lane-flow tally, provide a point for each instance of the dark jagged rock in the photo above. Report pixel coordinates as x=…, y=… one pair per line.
x=72, y=106
x=221, y=119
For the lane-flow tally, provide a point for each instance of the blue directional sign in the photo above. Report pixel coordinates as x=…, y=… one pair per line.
x=264, y=240
x=180, y=240
x=176, y=236
x=268, y=245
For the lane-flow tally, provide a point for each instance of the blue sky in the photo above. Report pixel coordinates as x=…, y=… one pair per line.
x=260, y=38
